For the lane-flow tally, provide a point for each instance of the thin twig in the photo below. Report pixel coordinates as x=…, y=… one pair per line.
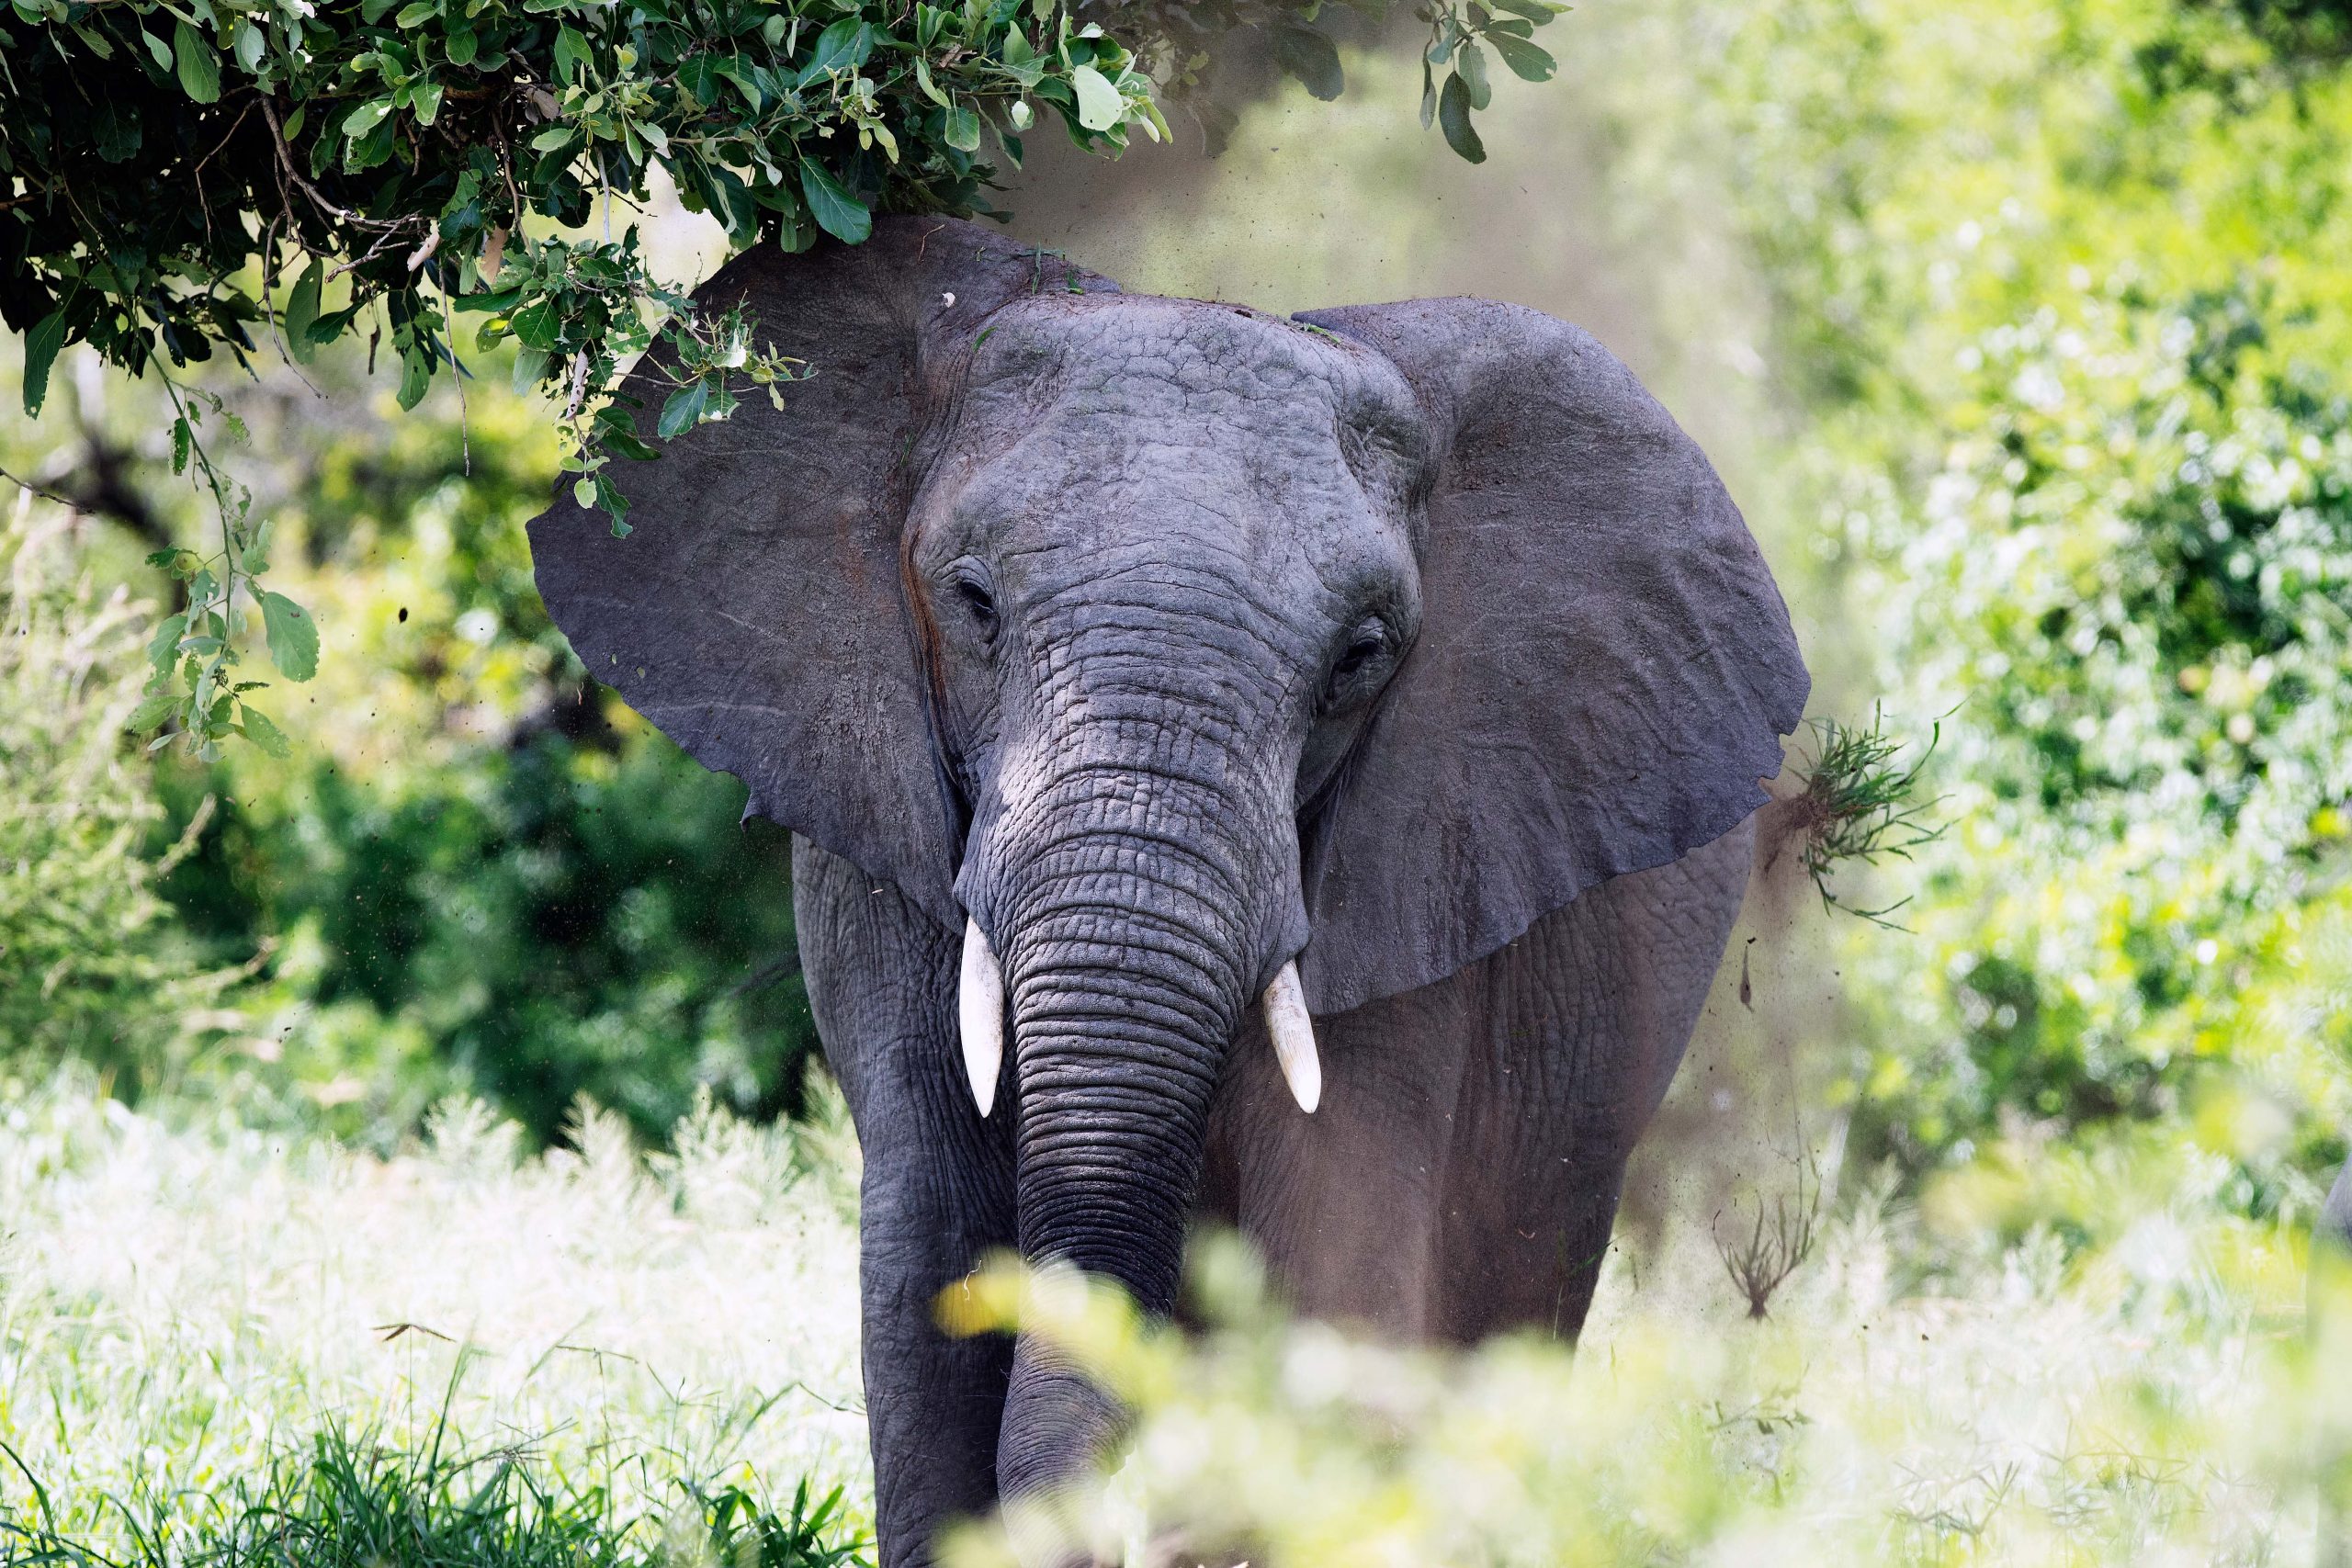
x=26, y=485
x=286, y=160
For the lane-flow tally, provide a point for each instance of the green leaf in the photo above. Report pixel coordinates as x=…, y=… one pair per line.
x=262, y=732
x=426, y=102
x=416, y=377
x=538, y=324
x=254, y=559
x=682, y=410
x=584, y=491
x=842, y=47
x=41, y=345
x=1454, y=118
x=1529, y=62
x=1098, y=104
x=157, y=707
x=963, y=131
x=1428, y=96
x=462, y=46
x=158, y=48
x=302, y=313
x=164, y=647
x=614, y=432
x=249, y=45
x=367, y=116
x=552, y=138
x=1536, y=11
x=1313, y=59
x=200, y=64
x=571, y=53
x=930, y=88
x=837, y=212
x=615, y=504
x=1471, y=65
x=530, y=363
x=293, y=636
x=182, y=443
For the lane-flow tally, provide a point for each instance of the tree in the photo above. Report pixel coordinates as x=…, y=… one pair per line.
x=192, y=175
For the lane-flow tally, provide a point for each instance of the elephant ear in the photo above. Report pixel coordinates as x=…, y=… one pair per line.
x=755, y=613
x=1604, y=667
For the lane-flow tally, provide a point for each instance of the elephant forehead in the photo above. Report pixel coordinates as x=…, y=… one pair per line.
x=1182, y=399
x=1192, y=361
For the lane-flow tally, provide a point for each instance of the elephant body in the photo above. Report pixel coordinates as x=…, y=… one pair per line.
x=1179, y=708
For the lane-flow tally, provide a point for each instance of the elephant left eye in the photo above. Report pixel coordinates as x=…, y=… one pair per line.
x=973, y=588
x=1361, y=652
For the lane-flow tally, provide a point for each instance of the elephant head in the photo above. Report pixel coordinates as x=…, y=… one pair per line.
x=1189, y=660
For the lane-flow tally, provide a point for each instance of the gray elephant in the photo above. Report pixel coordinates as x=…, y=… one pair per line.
x=1291, y=772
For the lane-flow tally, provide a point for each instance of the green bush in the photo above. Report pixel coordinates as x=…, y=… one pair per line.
x=90, y=966
x=2064, y=290
x=545, y=921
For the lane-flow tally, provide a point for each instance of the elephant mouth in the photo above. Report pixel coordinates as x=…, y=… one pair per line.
x=980, y=1015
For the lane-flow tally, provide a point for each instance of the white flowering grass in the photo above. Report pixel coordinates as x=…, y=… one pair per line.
x=181, y=1309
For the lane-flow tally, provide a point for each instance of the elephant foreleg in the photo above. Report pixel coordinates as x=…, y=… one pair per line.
x=937, y=1193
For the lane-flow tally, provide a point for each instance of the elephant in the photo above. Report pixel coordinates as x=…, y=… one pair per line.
x=1294, y=772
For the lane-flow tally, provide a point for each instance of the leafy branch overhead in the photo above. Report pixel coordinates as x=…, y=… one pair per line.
x=183, y=177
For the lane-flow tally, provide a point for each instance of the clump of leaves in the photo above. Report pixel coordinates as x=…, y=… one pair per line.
x=1460, y=36
x=1860, y=803
x=207, y=175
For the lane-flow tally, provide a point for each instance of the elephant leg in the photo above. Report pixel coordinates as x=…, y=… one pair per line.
x=1342, y=1204
x=1462, y=1176
x=1580, y=1025
x=936, y=1198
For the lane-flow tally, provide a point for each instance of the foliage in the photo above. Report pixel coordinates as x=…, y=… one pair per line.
x=1858, y=805
x=556, y=919
x=2065, y=293
x=277, y=169
x=1458, y=45
x=89, y=966
x=179, y=1297
x=473, y=870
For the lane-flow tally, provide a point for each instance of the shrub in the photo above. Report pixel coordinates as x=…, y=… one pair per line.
x=91, y=962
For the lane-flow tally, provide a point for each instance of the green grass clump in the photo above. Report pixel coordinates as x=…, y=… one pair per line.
x=1860, y=803
x=353, y=1502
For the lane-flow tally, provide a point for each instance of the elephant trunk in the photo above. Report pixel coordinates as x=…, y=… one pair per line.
x=1132, y=932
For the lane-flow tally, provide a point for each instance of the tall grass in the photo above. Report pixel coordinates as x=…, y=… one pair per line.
x=597, y=1357
x=183, y=1305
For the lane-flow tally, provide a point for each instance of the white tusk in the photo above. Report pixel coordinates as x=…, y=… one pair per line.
x=1293, y=1035
x=980, y=1008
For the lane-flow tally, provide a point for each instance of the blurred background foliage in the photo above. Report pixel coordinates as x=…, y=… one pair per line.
x=477, y=871
x=2020, y=331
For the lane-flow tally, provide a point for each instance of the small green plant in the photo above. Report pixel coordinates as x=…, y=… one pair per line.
x=1860, y=803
